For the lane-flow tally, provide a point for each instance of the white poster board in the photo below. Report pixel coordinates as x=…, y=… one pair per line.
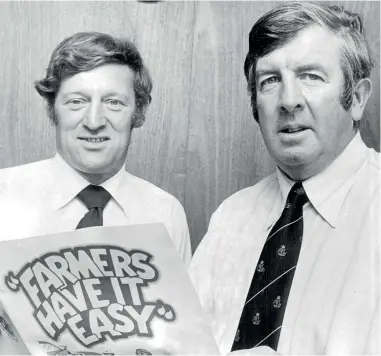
x=102, y=290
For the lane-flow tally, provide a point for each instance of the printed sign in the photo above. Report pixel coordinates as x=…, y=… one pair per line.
x=102, y=290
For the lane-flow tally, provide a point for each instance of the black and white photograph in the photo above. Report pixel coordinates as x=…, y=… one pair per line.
x=190, y=178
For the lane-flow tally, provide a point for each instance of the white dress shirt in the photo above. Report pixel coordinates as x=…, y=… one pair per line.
x=334, y=302
x=41, y=198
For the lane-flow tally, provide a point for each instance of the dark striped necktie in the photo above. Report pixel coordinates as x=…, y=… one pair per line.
x=95, y=198
x=262, y=315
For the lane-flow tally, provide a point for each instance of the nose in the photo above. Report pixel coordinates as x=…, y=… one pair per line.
x=292, y=99
x=94, y=118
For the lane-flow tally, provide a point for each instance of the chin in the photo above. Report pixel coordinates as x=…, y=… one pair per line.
x=297, y=156
x=100, y=166
x=93, y=170
x=294, y=161
x=298, y=167
x=94, y=166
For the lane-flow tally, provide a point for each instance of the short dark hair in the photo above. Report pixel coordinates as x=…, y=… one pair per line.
x=281, y=25
x=84, y=51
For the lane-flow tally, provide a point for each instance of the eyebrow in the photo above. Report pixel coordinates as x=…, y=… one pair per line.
x=312, y=66
x=262, y=72
x=68, y=93
x=299, y=69
x=83, y=93
x=114, y=93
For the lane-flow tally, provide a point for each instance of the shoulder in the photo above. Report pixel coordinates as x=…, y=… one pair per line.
x=371, y=179
x=22, y=193
x=145, y=202
x=30, y=168
x=244, y=200
x=235, y=212
x=369, y=175
x=24, y=179
x=374, y=160
x=149, y=192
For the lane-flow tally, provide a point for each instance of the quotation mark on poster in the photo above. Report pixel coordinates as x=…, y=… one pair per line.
x=164, y=311
x=12, y=282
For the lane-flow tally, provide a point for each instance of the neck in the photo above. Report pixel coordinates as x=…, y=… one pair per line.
x=294, y=177
x=97, y=178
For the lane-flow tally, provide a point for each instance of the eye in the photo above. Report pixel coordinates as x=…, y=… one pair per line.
x=269, y=81
x=75, y=103
x=311, y=76
x=115, y=104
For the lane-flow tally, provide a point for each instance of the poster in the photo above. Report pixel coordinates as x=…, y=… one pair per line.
x=102, y=290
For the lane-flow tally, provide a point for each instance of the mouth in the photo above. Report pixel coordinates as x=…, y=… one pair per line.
x=94, y=139
x=293, y=129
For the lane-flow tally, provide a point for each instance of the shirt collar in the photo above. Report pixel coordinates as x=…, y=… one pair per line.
x=328, y=189
x=113, y=184
x=70, y=183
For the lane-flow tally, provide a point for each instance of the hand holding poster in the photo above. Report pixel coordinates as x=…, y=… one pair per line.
x=114, y=290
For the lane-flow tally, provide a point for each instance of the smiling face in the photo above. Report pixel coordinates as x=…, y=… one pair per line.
x=301, y=119
x=94, y=110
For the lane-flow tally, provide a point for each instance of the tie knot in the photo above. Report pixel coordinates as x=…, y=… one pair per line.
x=94, y=196
x=297, y=196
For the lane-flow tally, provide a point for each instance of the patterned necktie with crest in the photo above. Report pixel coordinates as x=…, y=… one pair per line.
x=262, y=315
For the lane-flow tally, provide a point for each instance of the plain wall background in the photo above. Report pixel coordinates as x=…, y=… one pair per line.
x=199, y=142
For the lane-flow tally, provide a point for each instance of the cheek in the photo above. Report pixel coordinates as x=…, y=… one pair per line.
x=122, y=123
x=66, y=134
x=267, y=114
x=67, y=131
x=267, y=103
x=330, y=115
x=333, y=125
x=267, y=132
x=68, y=120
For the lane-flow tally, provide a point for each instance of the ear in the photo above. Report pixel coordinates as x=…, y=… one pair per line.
x=361, y=94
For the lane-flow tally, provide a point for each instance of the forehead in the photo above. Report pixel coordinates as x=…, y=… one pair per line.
x=312, y=45
x=116, y=77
